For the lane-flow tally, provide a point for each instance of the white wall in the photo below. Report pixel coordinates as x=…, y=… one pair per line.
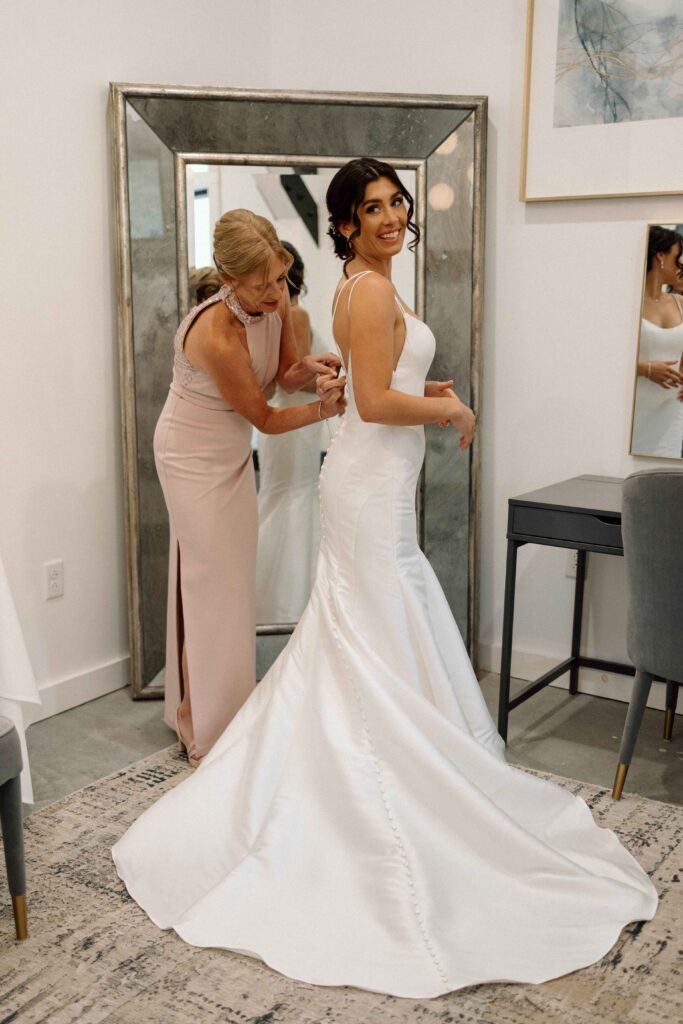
x=562, y=294
x=562, y=285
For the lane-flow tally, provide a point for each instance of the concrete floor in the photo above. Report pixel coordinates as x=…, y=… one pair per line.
x=577, y=737
x=71, y=750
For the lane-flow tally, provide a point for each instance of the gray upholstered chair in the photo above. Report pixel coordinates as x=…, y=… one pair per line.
x=652, y=528
x=12, y=825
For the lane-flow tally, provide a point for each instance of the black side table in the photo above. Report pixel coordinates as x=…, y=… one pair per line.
x=583, y=514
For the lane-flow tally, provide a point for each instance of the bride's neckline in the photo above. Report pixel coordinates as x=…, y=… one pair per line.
x=671, y=327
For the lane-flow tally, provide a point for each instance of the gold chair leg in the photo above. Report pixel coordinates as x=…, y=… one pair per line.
x=619, y=780
x=20, y=920
x=669, y=716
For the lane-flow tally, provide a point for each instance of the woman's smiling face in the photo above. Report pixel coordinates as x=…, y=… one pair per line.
x=383, y=219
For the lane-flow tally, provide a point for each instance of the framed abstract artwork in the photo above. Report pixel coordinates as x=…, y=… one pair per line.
x=603, y=99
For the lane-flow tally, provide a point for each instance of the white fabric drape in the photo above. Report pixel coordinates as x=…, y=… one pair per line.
x=17, y=680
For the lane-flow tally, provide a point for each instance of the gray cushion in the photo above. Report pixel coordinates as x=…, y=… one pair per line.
x=652, y=527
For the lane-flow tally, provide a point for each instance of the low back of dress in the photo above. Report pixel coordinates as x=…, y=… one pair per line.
x=386, y=594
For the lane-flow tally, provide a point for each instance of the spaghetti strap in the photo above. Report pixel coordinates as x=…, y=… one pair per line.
x=355, y=282
x=339, y=293
x=354, y=279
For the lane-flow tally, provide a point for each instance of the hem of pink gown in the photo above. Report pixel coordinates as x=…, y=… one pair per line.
x=187, y=746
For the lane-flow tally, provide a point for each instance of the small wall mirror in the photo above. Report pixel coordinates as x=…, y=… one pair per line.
x=657, y=424
x=182, y=156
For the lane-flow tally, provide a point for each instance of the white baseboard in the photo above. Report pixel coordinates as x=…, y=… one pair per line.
x=63, y=694
x=529, y=665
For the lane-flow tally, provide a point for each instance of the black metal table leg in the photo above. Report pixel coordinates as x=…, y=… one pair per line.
x=578, y=618
x=506, y=653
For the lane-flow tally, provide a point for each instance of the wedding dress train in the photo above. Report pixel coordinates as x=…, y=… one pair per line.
x=356, y=823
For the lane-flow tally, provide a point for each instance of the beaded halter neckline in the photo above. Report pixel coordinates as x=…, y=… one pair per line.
x=235, y=307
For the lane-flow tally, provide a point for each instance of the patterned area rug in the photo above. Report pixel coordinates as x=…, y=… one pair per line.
x=93, y=956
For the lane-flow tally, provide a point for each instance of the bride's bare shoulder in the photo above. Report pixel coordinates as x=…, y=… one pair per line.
x=369, y=296
x=378, y=281
x=374, y=288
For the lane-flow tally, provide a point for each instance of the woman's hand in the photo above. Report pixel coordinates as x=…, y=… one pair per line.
x=330, y=390
x=300, y=376
x=440, y=389
x=464, y=420
x=322, y=364
x=661, y=373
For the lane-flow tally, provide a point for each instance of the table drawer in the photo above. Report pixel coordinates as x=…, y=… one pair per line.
x=570, y=527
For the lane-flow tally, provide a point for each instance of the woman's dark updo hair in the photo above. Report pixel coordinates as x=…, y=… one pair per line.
x=345, y=194
x=661, y=240
x=295, y=274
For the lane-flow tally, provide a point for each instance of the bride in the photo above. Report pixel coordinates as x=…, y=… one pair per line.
x=356, y=823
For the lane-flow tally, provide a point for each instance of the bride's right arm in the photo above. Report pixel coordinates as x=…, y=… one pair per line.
x=371, y=336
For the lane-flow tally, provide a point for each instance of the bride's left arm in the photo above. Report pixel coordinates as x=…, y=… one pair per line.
x=294, y=373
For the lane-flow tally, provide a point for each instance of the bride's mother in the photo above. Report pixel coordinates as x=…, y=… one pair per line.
x=227, y=351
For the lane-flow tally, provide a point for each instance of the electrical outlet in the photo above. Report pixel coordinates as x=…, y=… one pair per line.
x=570, y=568
x=54, y=579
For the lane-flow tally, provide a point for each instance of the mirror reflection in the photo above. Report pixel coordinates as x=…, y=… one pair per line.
x=165, y=218
x=658, y=400
x=287, y=464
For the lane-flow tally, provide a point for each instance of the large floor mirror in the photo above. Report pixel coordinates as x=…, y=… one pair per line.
x=182, y=156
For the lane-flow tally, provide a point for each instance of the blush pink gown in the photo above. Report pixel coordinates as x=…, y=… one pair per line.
x=202, y=449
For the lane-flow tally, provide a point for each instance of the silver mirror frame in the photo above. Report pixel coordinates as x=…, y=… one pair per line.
x=473, y=110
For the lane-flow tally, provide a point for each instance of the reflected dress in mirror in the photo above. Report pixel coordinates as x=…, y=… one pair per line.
x=289, y=512
x=658, y=413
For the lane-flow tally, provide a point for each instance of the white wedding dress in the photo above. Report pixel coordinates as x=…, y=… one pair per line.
x=356, y=823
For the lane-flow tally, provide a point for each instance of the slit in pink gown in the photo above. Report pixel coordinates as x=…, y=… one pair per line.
x=202, y=449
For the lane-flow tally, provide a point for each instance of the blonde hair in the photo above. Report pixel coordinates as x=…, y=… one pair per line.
x=204, y=282
x=244, y=242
